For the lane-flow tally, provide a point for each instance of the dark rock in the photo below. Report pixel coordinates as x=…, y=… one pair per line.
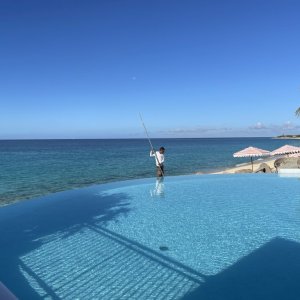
x=263, y=168
x=163, y=248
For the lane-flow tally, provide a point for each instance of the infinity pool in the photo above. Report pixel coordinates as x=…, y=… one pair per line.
x=187, y=237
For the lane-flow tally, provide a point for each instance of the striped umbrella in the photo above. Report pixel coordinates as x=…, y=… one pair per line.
x=286, y=149
x=251, y=152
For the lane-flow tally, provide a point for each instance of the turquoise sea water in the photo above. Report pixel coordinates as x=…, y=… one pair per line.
x=187, y=237
x=37, y=167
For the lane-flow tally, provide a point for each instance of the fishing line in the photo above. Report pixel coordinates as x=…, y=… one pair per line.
x=152, y=149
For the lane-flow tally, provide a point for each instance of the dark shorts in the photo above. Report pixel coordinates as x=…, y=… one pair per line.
x=160, y=171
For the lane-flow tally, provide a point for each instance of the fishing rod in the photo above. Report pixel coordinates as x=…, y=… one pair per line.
x=152, y=149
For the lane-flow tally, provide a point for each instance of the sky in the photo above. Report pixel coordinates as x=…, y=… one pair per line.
x=203, y=68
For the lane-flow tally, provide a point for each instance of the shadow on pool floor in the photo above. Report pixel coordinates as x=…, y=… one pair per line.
x=272, y=272
x=24, y=225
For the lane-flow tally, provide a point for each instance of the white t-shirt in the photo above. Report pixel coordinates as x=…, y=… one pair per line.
x=160, y=157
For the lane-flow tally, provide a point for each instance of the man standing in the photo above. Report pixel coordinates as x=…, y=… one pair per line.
x=159, y=159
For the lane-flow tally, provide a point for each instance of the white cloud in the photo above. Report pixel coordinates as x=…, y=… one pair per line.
x=195, y=130
x=258, y=126
x=289, y=125
x=258, y=129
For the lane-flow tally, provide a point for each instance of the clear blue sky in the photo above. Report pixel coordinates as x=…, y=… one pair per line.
x=85, y=69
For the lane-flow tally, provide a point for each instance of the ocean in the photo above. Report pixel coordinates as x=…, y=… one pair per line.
x=32, y=168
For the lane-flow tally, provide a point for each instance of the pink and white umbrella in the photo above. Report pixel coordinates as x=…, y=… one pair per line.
x=286, y=149
x=294, y=155
x=251, y=152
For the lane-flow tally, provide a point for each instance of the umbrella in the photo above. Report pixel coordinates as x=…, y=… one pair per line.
x=286, y=149
x=251, y=152
x=294, y=155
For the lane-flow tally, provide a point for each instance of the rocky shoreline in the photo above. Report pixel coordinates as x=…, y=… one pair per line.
x=269, y=163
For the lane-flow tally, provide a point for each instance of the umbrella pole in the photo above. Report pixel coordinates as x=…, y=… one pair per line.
x=252, y=163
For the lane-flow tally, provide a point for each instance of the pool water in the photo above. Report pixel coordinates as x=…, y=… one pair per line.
x=185, y=237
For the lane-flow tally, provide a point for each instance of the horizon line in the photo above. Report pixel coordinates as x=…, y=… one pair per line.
x=142, y=138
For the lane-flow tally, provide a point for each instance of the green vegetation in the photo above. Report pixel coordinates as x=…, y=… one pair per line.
x=288, y=136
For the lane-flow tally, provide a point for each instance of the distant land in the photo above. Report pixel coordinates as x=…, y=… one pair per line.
x=288, y=137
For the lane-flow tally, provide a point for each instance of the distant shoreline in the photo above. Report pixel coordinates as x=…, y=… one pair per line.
x=286, y=138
